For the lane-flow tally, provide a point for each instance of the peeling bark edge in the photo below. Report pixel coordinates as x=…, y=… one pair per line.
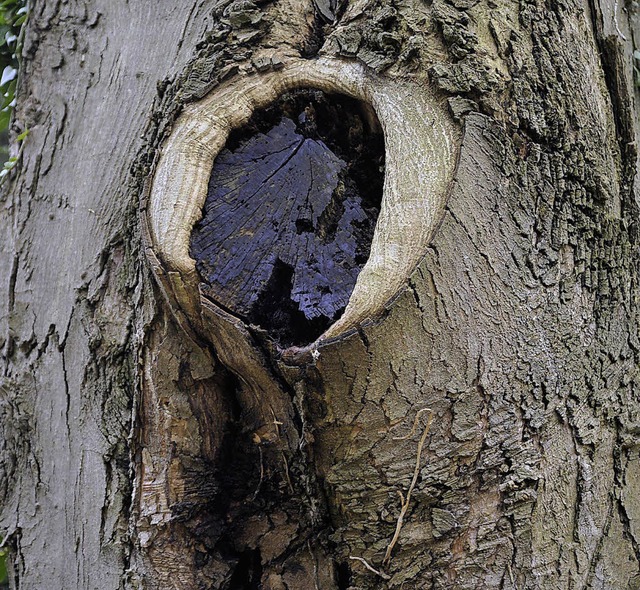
x=421, y=145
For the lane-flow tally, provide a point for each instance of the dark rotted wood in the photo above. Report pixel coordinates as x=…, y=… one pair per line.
x=290, y=213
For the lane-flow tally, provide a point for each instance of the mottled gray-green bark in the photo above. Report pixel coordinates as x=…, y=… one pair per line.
x=133, y=451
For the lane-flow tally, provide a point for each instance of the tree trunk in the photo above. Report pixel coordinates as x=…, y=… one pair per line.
x=472, y=424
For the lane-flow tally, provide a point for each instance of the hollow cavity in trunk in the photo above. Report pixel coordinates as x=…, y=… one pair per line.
x=290, y=212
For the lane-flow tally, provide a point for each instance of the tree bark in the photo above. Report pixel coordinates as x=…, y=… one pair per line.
x=477, y=430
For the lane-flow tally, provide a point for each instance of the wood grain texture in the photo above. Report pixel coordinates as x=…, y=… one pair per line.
x=73, y=382
x=285, y=228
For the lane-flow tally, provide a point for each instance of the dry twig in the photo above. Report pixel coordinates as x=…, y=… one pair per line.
x=371, y=569
x=416, y=472
x=286, y=472
x=404, y=501
x=255, y=494
x=415, y=425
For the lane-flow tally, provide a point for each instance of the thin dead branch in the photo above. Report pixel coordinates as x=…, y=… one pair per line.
x=415, y=425
x=286, y=472
x=405, y=502
x=255, y=494
x=371, y=569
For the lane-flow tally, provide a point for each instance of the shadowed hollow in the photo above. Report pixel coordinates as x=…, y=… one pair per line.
x=290, y=212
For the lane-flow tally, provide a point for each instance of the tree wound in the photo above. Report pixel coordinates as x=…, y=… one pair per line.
x=290, y=212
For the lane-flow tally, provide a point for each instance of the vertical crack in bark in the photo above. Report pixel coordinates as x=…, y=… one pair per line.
x=9, y=344
x=621, y=461
x=67, y=393
x=597, y=553
x=626, y=523
x=620, y=95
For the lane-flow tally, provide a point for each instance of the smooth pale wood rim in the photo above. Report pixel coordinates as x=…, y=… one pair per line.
x=421, y=145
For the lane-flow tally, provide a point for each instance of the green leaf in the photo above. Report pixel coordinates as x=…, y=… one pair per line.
x=3, y=566
x=5, y=118
x=13, y=14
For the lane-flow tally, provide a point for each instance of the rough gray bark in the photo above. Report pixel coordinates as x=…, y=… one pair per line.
x=133, y=453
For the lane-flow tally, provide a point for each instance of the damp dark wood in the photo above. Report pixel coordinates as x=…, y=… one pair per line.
x=291, y=208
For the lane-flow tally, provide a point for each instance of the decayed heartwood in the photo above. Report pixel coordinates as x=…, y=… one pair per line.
x=129, y=458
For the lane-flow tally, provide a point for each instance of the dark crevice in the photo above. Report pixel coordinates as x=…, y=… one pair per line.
x=276, y=310
x=326, y=14
x=248, y=571
x=290, y=214
x=314, y=41
x=344, y=575
x=231, y=474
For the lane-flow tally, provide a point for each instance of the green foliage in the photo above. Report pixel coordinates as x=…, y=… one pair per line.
x=4, y=578
x=13, y=14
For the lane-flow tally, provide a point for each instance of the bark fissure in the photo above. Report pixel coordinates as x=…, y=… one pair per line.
x=618, y=76
x=252, y=467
